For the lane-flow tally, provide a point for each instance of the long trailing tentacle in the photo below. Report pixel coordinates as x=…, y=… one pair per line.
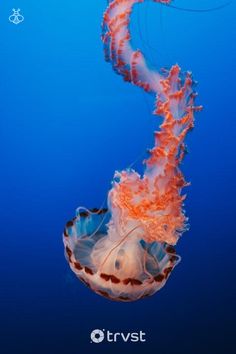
x=153, y=199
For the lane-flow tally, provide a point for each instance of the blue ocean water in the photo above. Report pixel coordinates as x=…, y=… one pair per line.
x=67, y=123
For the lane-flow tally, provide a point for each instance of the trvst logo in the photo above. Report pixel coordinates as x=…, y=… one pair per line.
x=99, y=336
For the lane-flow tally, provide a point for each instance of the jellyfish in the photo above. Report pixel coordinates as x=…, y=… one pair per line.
x=126, y=252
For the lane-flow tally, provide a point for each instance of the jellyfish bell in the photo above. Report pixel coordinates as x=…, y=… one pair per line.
x=119, y=267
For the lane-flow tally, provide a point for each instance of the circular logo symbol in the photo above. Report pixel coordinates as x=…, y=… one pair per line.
x=97, y=336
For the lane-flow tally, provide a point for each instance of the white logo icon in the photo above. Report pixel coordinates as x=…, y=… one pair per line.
x=16, y=17
x=97, y=336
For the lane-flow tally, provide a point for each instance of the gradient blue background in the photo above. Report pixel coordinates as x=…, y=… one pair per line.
x=67, y=123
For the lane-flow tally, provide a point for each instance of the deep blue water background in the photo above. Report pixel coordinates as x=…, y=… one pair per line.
x=67, y=123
